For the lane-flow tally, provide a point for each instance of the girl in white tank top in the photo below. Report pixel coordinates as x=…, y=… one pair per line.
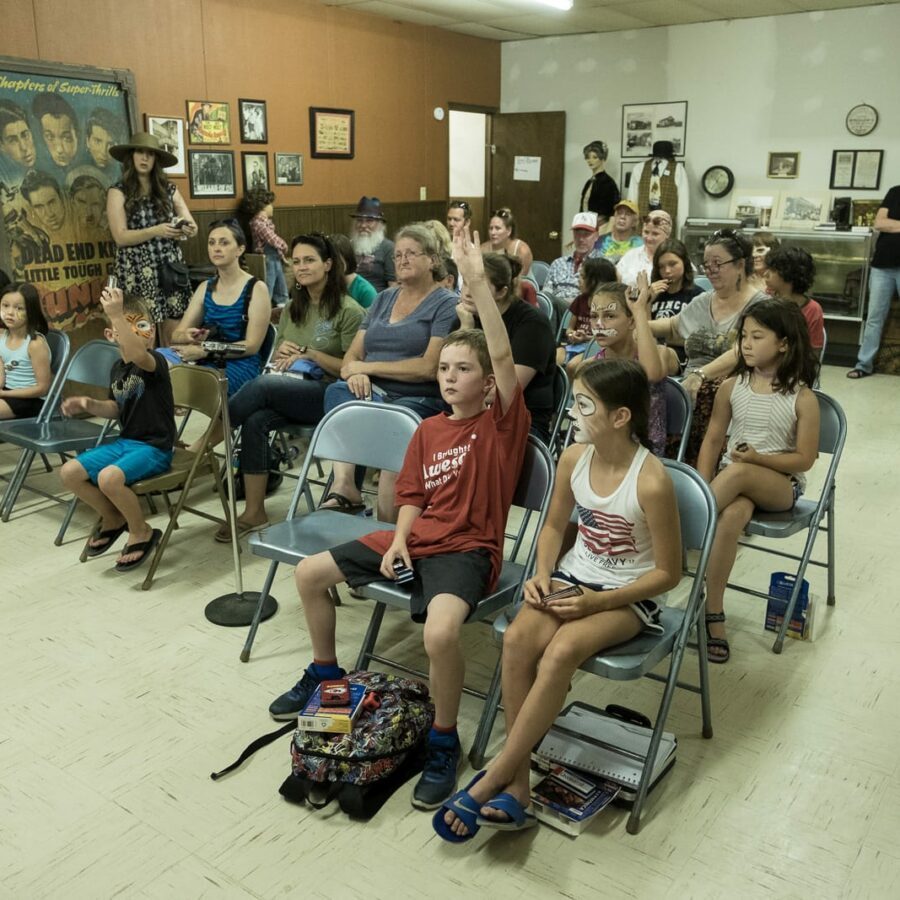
x=628, y=551
x=24, y=353
x=771, y=420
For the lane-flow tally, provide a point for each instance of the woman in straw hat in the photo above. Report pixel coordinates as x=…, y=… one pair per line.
x=148, y=217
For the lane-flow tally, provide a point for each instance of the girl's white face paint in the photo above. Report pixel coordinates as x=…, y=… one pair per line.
x=580, y=412
x=606, y=332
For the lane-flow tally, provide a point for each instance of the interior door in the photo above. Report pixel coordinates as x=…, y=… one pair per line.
x=536, y=205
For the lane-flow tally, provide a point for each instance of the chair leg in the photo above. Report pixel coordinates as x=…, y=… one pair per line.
x=64, y=525
x=46, y=462
x=254, y=625
x=16, y=480
x=703, y=665
x=368, y=644
x=798, y=584
x=87, y=540
x=488, y=717
x=830, y=544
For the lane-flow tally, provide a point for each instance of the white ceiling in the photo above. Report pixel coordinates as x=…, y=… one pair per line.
x=514, y=20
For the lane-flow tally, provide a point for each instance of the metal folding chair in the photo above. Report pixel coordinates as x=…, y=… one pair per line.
x=806, y=515
x=638, y=657
x=679, y=413
x=532, y=495
x=50, y=433
x=344, y=435
x=539, y=271
x=560, y=405
x=545, y=304
x=196, y=388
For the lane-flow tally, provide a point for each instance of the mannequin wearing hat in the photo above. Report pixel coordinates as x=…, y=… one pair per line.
x=661, y=183
x=600, y=193
x=148, y=218
x=374, y=252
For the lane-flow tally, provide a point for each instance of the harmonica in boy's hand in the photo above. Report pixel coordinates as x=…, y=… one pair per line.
x=572, y=590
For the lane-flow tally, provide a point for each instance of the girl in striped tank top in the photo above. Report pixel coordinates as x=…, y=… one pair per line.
x=771, y=420
x=627, y=552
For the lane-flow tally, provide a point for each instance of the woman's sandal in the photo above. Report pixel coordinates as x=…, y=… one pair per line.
x=858, y=373
x=718, y=644
x=342, y=504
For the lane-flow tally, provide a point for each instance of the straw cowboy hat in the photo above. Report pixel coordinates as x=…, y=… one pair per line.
x=143, y=141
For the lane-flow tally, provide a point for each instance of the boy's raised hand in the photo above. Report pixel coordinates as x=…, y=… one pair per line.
x=112, y=300
x=467, y=254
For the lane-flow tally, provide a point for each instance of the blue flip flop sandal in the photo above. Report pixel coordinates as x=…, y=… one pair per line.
x=465, y=808
x=519, y=817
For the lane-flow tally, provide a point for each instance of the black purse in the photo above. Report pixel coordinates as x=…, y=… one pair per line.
x=174, y=277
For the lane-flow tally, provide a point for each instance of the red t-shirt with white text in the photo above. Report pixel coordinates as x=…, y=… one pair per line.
x=462, y=473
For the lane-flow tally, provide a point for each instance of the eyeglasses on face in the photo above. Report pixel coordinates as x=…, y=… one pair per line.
x=408, y=254
x=714, y=266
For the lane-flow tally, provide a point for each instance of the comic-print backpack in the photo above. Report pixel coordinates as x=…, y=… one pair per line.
x=363, y=768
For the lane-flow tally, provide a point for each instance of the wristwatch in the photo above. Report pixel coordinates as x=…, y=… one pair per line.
x=699, y=373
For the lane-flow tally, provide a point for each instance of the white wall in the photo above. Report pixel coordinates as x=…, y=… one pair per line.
x=467, y=139
x=752, y=86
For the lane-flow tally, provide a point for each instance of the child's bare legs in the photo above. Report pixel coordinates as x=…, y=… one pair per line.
x=5, y=411
x=447, y=669
x=739, y=489
x=313, y=577
x=532, y=700
x=111, y=499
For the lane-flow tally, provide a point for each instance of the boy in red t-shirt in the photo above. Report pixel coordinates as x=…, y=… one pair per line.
x=453, y=492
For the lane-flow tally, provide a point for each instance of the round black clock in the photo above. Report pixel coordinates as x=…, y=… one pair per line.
x=717, y=181
x=862, y=119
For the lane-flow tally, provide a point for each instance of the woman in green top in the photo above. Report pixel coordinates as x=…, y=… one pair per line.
x=362, y=291
x=317, y=325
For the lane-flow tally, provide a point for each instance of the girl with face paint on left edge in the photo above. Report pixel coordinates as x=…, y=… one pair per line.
x=621, y=328
x=626, y=556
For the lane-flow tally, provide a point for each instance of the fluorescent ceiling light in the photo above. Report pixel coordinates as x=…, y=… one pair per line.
x=557, y=4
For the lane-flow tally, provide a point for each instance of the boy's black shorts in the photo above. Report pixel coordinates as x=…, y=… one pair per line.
x=465, y=575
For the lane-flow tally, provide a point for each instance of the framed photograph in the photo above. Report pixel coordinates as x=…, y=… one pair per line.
x=288, y=168
x=864, y=212
x=331, y=133
x=170, y=132
x=212, y=173
x=254, y=126
x=627, y=167
x=757, y=205
x=783, y=165
x=256, y=170
x=643, y=124
x=803, y=209
x=858, y=170
x=209, y=122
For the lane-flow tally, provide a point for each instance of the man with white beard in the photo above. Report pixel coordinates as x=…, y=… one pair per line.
x=374, y=252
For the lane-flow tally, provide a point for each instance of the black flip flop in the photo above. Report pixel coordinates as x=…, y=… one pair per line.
x=111, y=535
x=342, y=504
x=145, y=548
x=855, y=374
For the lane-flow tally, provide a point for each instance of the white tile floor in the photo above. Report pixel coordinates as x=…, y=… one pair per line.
x=117, y=704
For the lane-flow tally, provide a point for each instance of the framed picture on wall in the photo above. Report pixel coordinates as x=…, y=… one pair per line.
x=212, y=173
x=783, y=165
x=256, y=171
x=331, y=133
x=254, y=125
x=803, y=209
x=757, y=205
x=288, y=168
x=858, y=170
x=643, y=124
x=209, y=122
x=169, y=130
x=627, y=167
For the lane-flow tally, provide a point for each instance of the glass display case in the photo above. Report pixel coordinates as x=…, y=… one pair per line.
x=842, y=264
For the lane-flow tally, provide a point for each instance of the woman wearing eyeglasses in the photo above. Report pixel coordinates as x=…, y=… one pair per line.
x=657, y=228
x=394, y=356
x=502, y=231
x=707, y=326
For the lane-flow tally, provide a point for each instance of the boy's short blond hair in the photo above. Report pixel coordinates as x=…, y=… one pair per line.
x=135, y=306
x=474, y=339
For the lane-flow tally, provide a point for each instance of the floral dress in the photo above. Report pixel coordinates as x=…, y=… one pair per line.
x=138, y=266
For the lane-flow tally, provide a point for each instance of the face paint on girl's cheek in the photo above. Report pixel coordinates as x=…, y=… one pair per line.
x=606, y=332
x=579, y=413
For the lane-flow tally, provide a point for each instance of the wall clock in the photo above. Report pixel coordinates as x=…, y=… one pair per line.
x=717, y=181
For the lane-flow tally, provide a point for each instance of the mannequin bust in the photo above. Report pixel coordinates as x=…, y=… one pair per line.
x=600, y=193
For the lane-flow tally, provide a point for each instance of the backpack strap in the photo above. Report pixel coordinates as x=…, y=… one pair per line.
x=248, y=296
x=251, y=748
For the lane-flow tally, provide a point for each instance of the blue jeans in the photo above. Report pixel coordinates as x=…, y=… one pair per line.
x=275, y=276
x=266, y=404
x=882, y=284
x=424, y=407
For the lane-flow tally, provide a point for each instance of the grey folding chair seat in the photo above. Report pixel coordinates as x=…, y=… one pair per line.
x=640, y=656
x=679, y=414
x=539, y=271
x=346, y=434
x=807, y=515
x=50, y=432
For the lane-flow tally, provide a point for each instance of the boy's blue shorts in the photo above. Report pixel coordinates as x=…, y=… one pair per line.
x=135, y=458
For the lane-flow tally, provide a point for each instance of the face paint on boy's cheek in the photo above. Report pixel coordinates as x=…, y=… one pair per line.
x=140, y=325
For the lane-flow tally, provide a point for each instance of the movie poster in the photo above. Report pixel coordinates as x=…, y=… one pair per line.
x=55, y=169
